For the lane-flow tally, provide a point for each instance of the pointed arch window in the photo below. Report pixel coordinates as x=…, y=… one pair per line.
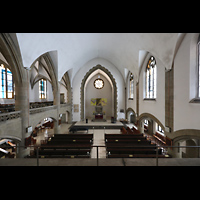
x=151, y=79
x=6, y=83
x=195, y=82
x=198, y=45
x=131, y=87
x=43, y=89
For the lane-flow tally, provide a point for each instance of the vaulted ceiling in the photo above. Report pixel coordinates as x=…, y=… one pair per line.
x=124, y=50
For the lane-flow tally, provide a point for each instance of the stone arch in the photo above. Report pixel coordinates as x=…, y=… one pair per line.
x=186, y=137
x=10, y=50
x=16, y=139
x=148, y=115
x=185, y=134
x=13, y=57
x=82, y=92
x=66, y=83
x=131, y=110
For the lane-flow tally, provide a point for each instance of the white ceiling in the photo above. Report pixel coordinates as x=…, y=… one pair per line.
x=76, y=49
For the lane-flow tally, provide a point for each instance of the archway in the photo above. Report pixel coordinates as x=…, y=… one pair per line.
x=12, y=56
x=82, y=89
x=44, y=126
x=131, y=116
x=151, y=119
x=186, y=137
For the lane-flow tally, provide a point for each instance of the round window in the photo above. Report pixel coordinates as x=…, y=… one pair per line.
x=98, y=83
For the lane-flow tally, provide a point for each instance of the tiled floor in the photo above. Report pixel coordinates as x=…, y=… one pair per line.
x=98, y=139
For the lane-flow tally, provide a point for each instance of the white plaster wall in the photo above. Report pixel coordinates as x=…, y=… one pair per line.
x=76, y=83
x=186, y=115
x=64, y=90
x=154, y=107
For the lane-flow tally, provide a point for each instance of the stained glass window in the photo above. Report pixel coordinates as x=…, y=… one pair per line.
x=6, y=83
x=42, y=89
x=199, y=67
x=151, y=76
x=131, y=86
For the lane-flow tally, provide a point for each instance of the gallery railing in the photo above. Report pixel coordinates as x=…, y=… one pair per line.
x=97, y=152
x=9, y=115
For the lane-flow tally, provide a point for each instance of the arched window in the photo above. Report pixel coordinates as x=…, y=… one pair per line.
x=198, y=46
x=42, y=89
x=151, y=77
x=131, y=86
x=6, y=83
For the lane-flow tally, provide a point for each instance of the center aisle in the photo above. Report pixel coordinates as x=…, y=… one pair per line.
x=98, y=139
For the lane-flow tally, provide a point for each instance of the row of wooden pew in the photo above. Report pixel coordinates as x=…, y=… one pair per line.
x=65, y=146
x=130, y=144
x=162, y=139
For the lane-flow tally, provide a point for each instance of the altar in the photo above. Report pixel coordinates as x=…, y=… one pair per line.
x=99, y=115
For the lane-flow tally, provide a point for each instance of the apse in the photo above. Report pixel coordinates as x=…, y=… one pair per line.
x=99, y=87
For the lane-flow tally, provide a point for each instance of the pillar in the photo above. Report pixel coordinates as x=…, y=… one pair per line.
x=57, y=103
x=22, y=104
x=142, y=126
x=169, y=99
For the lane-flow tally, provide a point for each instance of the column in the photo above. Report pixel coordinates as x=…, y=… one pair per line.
x=22, y=104
x=57, y=103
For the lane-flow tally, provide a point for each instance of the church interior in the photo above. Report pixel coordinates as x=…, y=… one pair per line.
x=99, y=99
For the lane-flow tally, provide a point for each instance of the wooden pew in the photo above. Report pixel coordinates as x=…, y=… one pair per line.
x=123, y=130
x=129, y=140
x=130, y=145
x=75, y=129
x=134, y=151
x=152, y=146
x=127, y=136
x=74, y=136
x=137, y=156
x=64, y=152
x=66, y=146
x=164, y=140
x=77, y=140
x=135, y=130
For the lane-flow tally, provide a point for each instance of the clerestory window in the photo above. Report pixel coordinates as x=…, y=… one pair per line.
x=151, y=79
x=198, y=45
x=42, y=89
x=131, y=86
